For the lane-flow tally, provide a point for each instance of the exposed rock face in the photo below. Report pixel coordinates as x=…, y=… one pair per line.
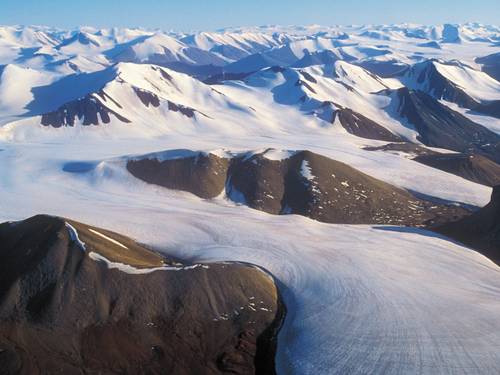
x=481, y=230
x=91, y=110
x=439, y=87
x=301, y=183
x=411, y=149
x=186, y=111
x=490, y=65
x=219, y=78
x=357, y=124
x=326, y=190
x=120, y=99
x=354, y=123
x=472, y=167
x=439, y=126
x=148, y=98
x=76, y=299
x=489, y=108
x=201, y=174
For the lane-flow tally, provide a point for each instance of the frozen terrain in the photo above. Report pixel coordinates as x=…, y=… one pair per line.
x=377, y=299
x=360, y=299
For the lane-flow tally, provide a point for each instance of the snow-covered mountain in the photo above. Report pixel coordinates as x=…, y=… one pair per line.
x=333, y=157
x=454, y=82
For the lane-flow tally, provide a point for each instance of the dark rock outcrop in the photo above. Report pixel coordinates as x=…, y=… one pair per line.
x=489, y=108
x=472, y=167
x=199, y=173
x=480, y=230
x=327, y=190
x=361, y=126
x=354, y=123
x=440, y=126
x=301, y=183
x=67, y=307
x=148, y=98
x=411, y=149
x=90, y=109
x=440, y=87
x=220, y=78
x=490, y=64
x=186, y=111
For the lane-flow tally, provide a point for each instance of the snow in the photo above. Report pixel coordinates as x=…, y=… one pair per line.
x=268, y=153
x=488, y=122
x=360, y=78
x=73, y=233
x=305, y=170
x=232, y=46
x=138, y=271
x=16, y=84
x=164, y=48
x=375, y=302
x=234, y=194
x=155, y=44
x=477, y=84
x=277, y=155
x=108, y=238
x=360, y=299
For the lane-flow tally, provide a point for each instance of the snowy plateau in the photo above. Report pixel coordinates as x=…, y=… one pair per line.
x=330, y=157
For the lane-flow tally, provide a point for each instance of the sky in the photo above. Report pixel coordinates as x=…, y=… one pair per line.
x=190, y=15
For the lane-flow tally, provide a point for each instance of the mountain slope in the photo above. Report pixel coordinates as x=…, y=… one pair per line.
x=63, y=307
x=142, y=94
x=16, y=85
x=84, y=118
x=475, y=168
x=161, y=49
x=490, y=64
x=439, y=126
x=233, y=46
x=472, y=167
x=330, y=93
x=457, y=83
x=481, y=230
x=290, y=182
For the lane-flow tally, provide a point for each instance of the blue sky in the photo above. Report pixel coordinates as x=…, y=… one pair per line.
x=190, y=15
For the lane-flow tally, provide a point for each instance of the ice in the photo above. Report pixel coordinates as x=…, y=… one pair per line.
x=360, y=299
x=305, y=170
x=138, y=271
x=107, y=238
x=73, y=233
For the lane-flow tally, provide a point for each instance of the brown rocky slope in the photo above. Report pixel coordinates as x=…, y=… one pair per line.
x=75, y=299
x=480, y=230
x=472, y=167
x=301, y=182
